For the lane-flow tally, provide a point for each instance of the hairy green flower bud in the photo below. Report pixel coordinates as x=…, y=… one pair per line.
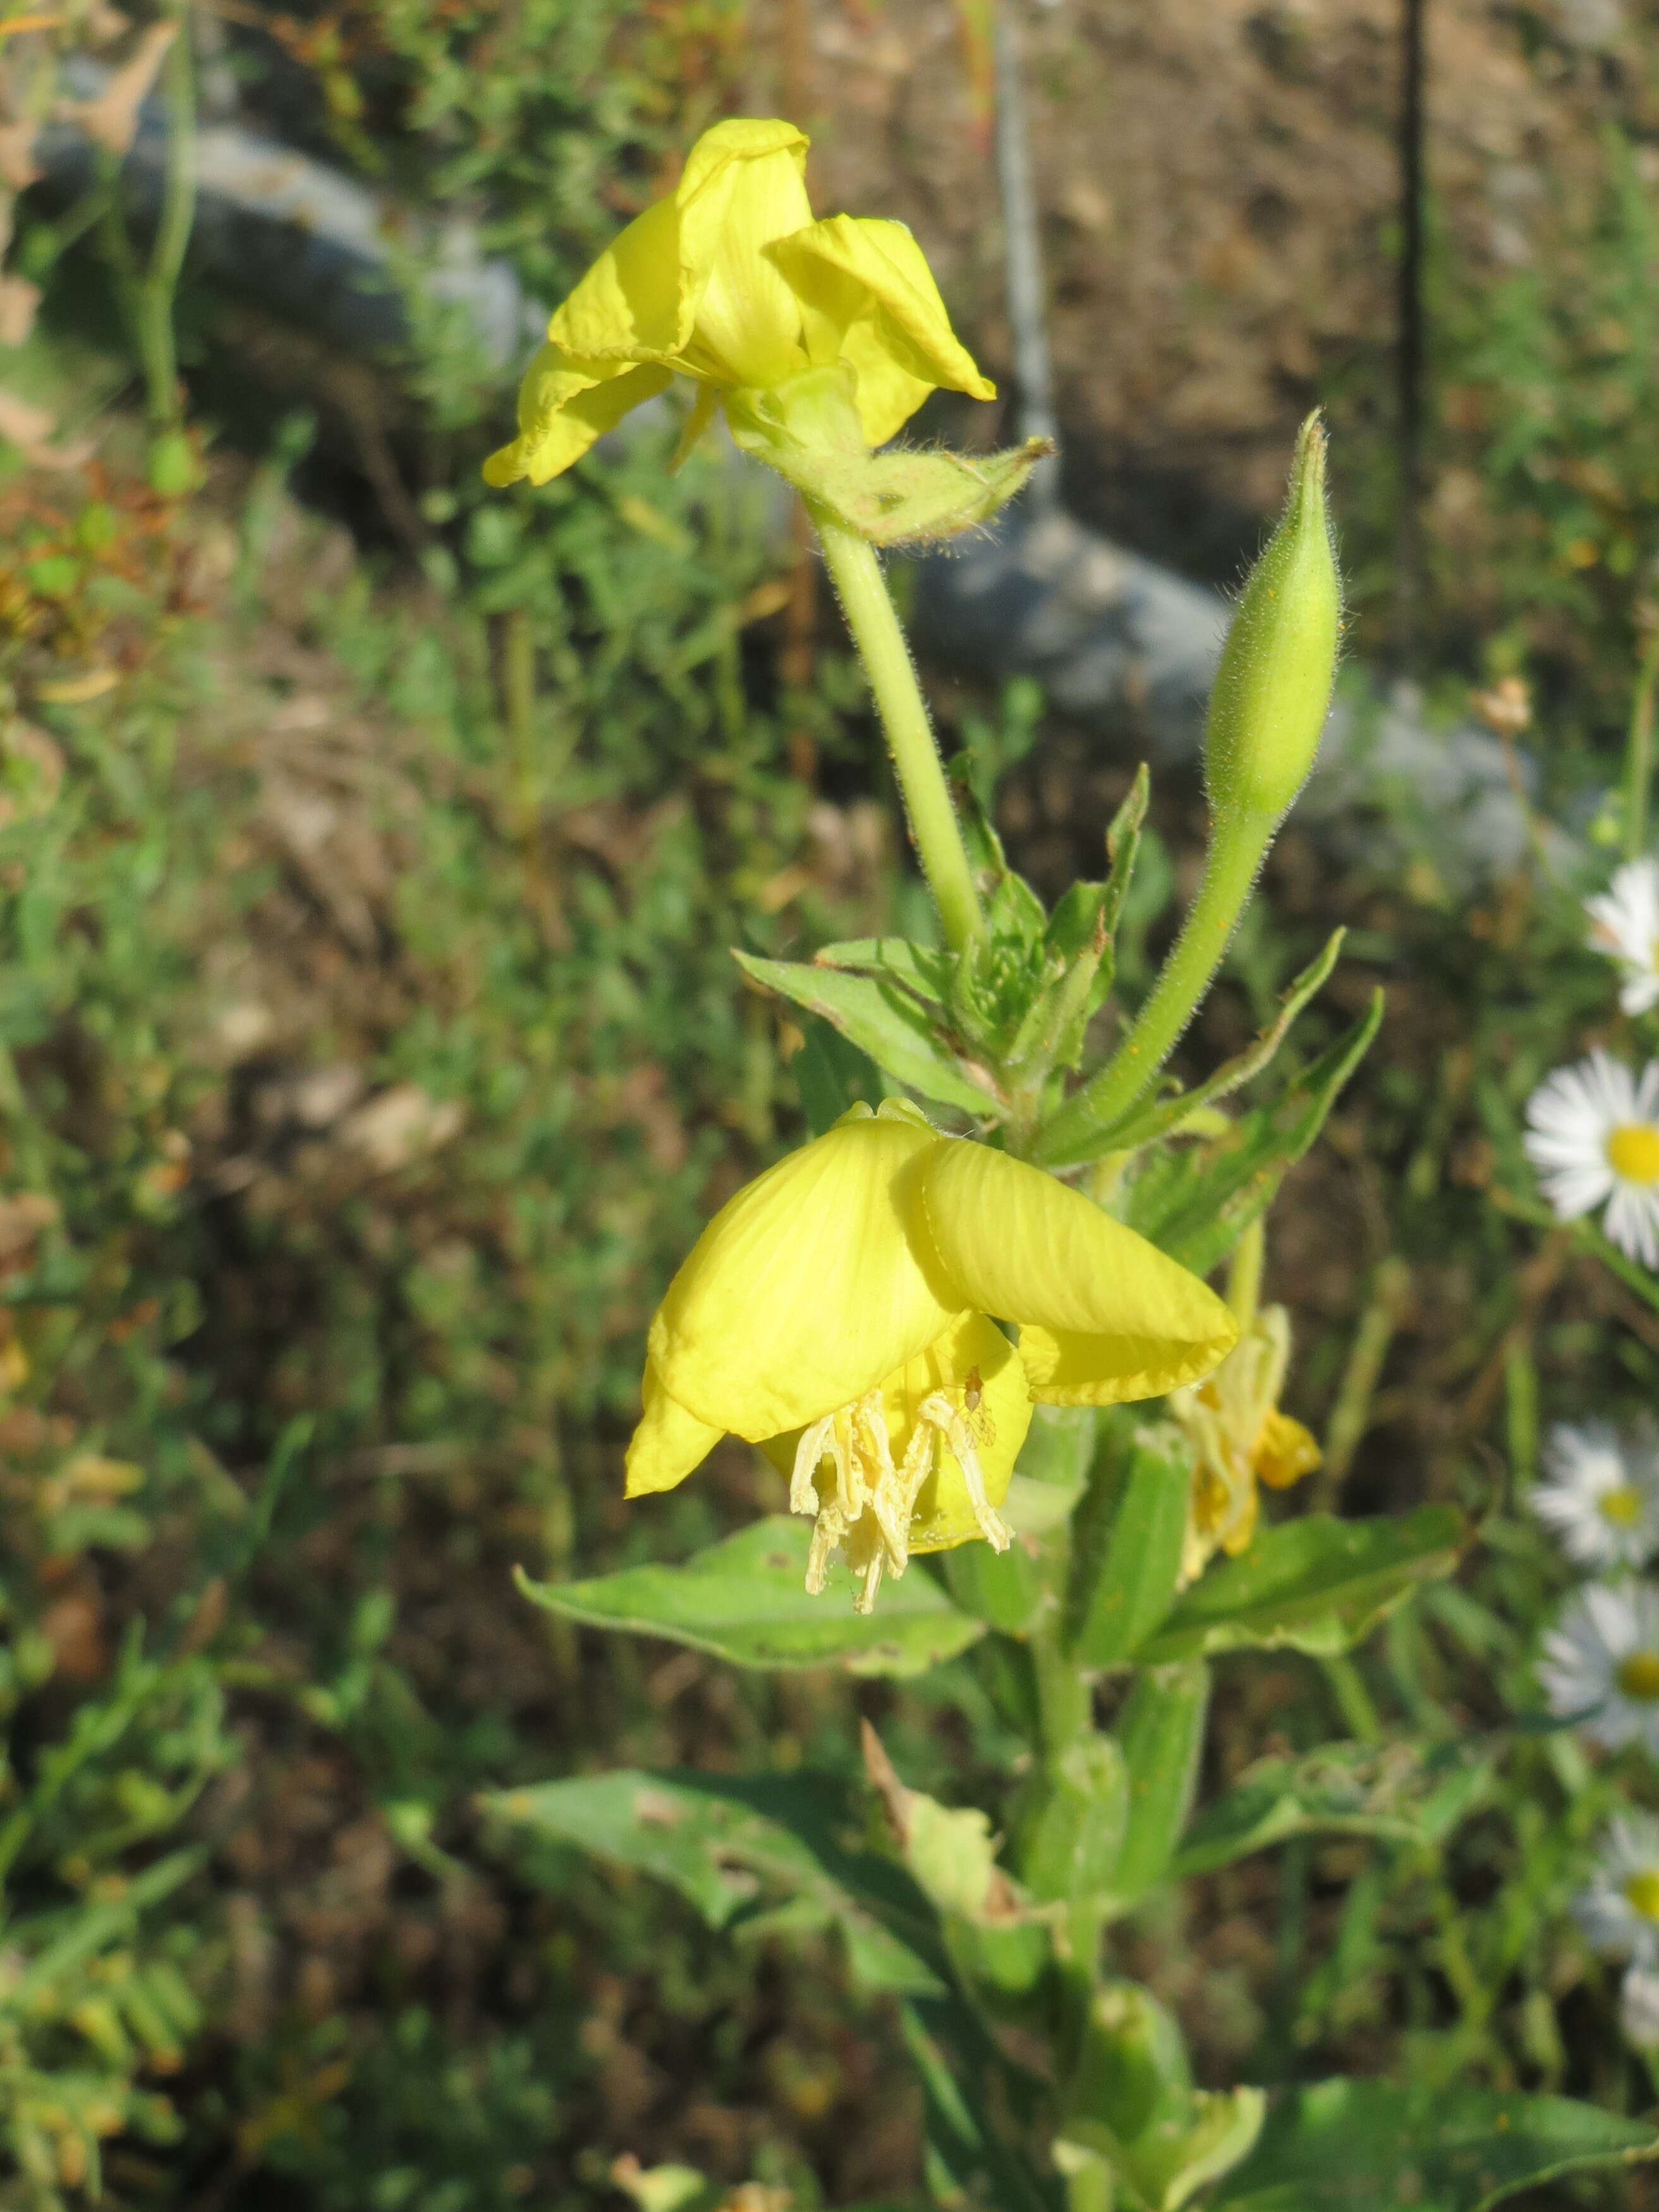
x=1273, y=687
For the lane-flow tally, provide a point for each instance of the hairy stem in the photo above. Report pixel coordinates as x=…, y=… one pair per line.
x=856, y=571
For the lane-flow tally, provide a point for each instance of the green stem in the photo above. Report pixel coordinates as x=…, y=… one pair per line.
x=157, y=350
x=856, y=574
x=1638, y=753
x=1229, y=872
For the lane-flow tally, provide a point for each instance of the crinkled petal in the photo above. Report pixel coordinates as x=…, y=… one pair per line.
x=563, y=406
x=633, y=304
x=869, y=298
x=1103, y=1316
x=802, y=1292
x=668, y=1443
x=743, y=186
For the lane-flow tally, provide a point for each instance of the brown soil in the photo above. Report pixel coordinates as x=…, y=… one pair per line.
x=1219, y=179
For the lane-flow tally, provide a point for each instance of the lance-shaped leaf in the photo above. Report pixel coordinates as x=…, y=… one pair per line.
x=884, y=1019
x=1166, y=1113
x=1162, y=1735
x=754, y=1851
x=1126, y=1551
x=1391, y=1792
x=1195, y=1202
x=1317, y=1584
x=745, y=1600
x=1370, y=2146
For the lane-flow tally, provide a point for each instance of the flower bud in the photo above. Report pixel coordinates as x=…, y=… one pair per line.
x=1273, y=686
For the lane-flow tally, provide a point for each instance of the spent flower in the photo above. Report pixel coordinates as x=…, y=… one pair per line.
x=1601, y=1666
x=1600, y=1496
x=841, y=1310
x=1625, y=924
x=1239, y=1439
x=1593, y=1135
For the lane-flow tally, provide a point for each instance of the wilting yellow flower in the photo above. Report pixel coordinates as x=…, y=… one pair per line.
x=838, y=1311
x=731, y=282
x=1239, y=1439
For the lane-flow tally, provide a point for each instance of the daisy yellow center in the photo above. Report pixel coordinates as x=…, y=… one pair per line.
x=1642, y=1892
x=1638, y=1676
x=1634, y=1152
x=1622, y=1506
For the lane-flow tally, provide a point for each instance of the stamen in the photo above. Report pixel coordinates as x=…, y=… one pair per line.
x=943, y=1415
x=866, y=1600
x=827, y=1533
x=803, y=1484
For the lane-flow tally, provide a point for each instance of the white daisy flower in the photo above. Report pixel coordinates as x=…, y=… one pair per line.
x=1638, y=2006
x=1625, y=924
x=1601, y=1665
x=1619, y=1912
x=1593, y=1135
x=1602, y=1498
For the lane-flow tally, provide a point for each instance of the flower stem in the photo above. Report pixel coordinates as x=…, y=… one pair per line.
x=856, y=571
x=1091, y=1112
x=1638, y=753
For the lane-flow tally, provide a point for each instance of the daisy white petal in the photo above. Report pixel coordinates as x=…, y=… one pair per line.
x=1601, y=1666
x=1638, y=2006
x=1593, y=1135
x=1599, y=1497
x=1625, y=924
x=1619, y=1912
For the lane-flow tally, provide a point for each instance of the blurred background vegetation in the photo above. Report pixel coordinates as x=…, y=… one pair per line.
x=370, y=849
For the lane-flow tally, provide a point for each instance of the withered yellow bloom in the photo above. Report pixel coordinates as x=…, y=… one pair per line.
x=1239, y=1439
x=731, y=282
x=841, y=1310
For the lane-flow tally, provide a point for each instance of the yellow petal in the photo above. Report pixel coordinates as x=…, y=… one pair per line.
x=563, y=406
x=744, y=187
x=633, y=304
x=867, y=291
x=802, y=1292
x=1103, y=1316
x=668, y=1443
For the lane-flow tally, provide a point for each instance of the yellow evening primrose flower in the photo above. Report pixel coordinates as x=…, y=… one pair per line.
x=841, y=1311
x=1239, y=1439
x=731, y=282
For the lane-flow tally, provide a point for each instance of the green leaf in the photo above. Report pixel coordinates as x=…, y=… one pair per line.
x=833, y=1075
x=1345, y=2146
x=1127, y=1540
x=1195, y=1201
x=1318, y=1584
x=745, y=1600
x=1161, y=1733
x=733, y=1846
x=1343, y=1789
x=1004, y=1589
x=893, y=1028
x=1166, y=1113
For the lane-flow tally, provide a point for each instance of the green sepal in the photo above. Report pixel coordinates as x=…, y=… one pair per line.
x=1166, y=1113
x=809, y=432
x=1346, y=2146
x=1126, y=1539
x=1195, y=1201
x=745, y=1600
x=1161, y=1734
x=1317, y=1584
x=885, y=1020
